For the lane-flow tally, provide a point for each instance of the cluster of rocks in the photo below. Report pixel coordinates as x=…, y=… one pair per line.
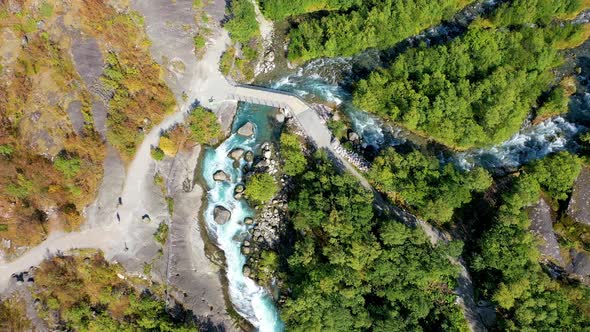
x=266, y=63
x=267, y=163
x=353, y=157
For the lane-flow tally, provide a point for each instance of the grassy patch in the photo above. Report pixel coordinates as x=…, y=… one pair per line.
x=161, y=234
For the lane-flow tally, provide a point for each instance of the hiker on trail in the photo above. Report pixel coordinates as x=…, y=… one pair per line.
x=118, y=217
x=120, y=201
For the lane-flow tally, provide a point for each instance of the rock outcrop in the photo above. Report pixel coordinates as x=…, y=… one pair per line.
x=579, y=206
x=542, y=227
x=236, y=154
x=221, y=215
x=221, y=176
x=246, y=130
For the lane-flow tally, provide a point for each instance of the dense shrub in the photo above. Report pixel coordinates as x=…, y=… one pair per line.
x=435, y=191
x=295, y=162
x=261, y=187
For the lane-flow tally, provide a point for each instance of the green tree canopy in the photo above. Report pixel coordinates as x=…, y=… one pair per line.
x=434, y=191
x=261, y=187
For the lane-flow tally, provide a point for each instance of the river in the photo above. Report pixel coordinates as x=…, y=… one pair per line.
x=250, y=300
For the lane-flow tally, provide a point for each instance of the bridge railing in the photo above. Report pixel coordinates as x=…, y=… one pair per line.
x=270, y=90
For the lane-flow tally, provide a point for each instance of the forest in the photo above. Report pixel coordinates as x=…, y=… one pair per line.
x=418, y=181
x=475, y=91
x=370, y=24
x=352, y=270
x=506, y=258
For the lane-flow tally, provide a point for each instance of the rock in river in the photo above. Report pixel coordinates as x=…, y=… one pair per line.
x=236, y=154
x=221, y=176
x=246, y=130
x=221, y=215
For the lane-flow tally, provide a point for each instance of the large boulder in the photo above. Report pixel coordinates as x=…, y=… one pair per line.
x=353, y=137
x=221, y=176
x=542, y=226
x=246, y=130
x=579, y=206
x=236, y=154
x=221, y=215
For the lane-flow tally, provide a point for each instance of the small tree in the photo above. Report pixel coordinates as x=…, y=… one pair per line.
x=157, y=153
x=261, y=187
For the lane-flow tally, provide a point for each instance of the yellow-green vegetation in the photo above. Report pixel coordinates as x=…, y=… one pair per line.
x=167, y=146
x=227, y=60
x=556, y=103
x=474, y=91
x=243, y=29
x=261, y=187
x=161, y=234
x=160, y=183
x=281, y=9
x=85, y=293
x=140, y=99
x=362, y=24
x=203, y=126
x=44, y=165
x=157, y=153
x=13, y=315
x=350, y=270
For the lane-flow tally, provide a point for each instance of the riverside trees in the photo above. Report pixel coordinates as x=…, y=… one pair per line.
x=420, y=181
x=368, y=24
x=478, y=89
x=506, y=260
x=352, y=271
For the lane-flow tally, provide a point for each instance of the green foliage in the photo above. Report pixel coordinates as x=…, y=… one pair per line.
x=351, y=271
x=6, y=150
x=542, y=12
x=68, y=166
x=281, y=9
x=157, y=153
x=556, y=173
x=46, y=10
x=204, y=126
x=161, y=234
x=475, y=91
x=21, y=189
x=378, y=24
x=88, y=295
x=507, y=258
x=295, y=162
x=269, y=263
x=261, y=187
x=557, y=103
x=170, y=204
x=3, y=227
x=434, y=191
x=227, y=61
x=200, y=42
x=242, y=25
